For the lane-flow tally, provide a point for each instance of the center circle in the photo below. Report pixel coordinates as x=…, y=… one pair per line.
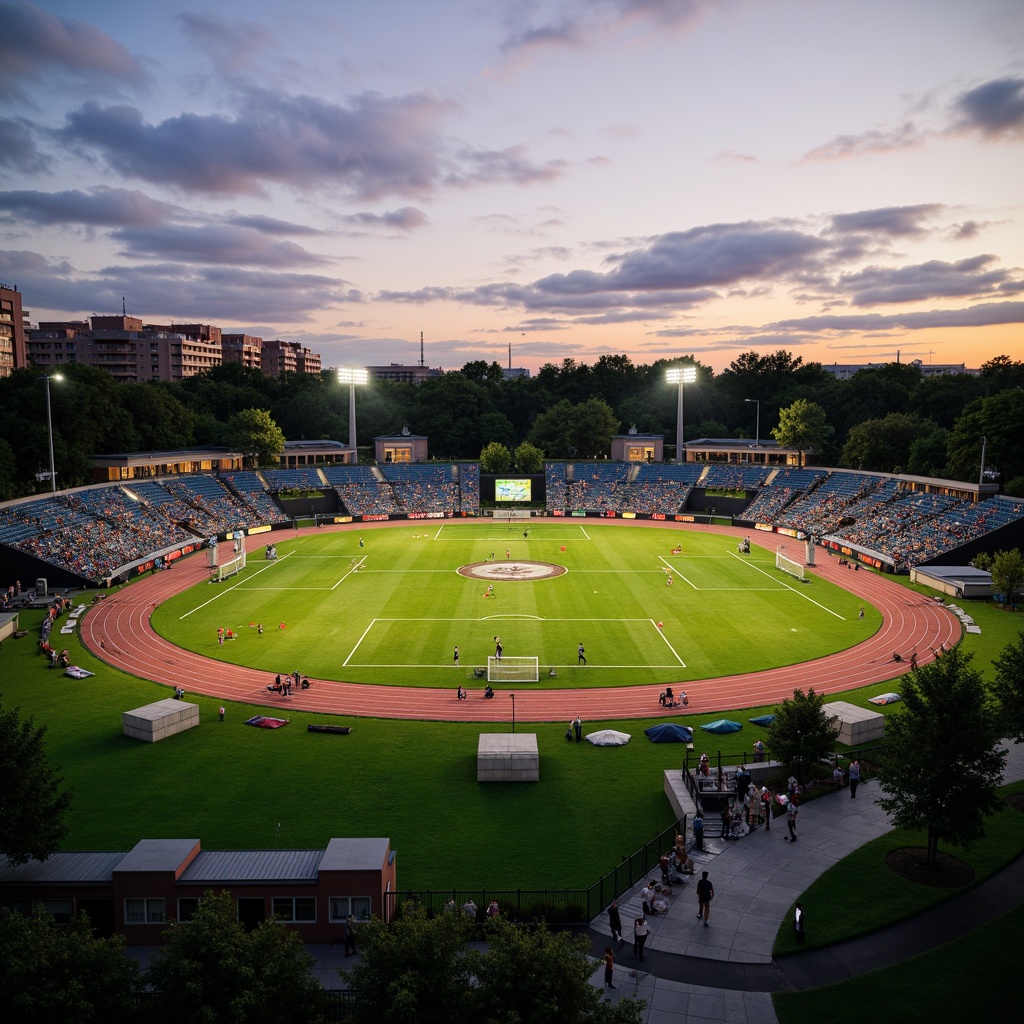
x=511, y=571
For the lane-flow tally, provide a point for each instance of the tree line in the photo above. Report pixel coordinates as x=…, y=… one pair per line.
x=888, y=419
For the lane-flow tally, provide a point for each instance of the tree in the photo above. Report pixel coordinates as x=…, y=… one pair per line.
x=63, y=972
x=997, y=419
x=529, y=458
x=1007, y=570
x=256, y=435
x=33, y=804
x=802, y=734
x=802, y=426
x=495, y=458
x=941, y=763
x=881, y=445
x=212, y=969
x=419, y=969
x=414, y=970
x=1008, y=688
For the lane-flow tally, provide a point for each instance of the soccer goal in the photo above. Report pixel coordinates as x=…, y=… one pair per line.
x=237, y=564
x=788, y=565
x=513, y=670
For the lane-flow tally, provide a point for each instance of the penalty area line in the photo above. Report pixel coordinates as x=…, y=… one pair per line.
x=351, y=654
x=228, y=589
x=787, y=586
x=661, y=633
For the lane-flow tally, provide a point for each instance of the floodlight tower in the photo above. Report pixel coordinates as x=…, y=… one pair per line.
x=352, y=375
x=680, y=375
x=757, y=431
x=49, y=428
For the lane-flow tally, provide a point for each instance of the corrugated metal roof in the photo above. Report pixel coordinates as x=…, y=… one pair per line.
x=63, y=867
x=223, y=866
x=157, y=854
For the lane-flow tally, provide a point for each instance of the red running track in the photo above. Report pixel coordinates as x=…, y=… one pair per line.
x=118, y=631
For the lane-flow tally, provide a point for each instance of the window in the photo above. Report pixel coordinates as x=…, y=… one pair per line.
x=294, y=908
x=144, y=911
x=60, y=910
x=342, y=906
x=187, y=907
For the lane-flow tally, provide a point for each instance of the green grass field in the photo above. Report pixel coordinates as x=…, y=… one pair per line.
x=393, y=610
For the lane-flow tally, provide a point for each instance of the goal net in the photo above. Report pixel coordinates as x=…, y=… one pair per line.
x=788, y=565
x=513, y=670
x=237, y=564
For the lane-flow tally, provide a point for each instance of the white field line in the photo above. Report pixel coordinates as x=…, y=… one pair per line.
x=227, y=590
x=585, y=534
x=437, y=536
x=787, y=586
x=354, y=568
x=661, y=633
x=358, y=642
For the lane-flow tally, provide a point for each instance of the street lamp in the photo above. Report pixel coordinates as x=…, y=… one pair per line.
x=680, y=375
x=513, y=696
x=981, y=475
x=352, y=375
x=49, y=429
x=757, y=435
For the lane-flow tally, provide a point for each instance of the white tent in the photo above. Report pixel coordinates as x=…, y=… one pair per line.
x=608, y=738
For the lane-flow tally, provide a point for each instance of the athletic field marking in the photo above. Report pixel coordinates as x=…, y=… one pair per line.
x=585, y=534
x=437, y=536
x=358, y=642
x=345, y=576
x=228, y=590
x=673, y=569
x=448, y=664
x=787, y=586
x=661, y=633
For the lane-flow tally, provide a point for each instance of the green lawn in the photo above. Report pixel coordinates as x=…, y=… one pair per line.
x=393, y=610
x=965, y=980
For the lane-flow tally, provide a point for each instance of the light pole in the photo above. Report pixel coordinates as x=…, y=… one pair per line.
x=680, y=375
x=49, y=429
x=352, y=375
x=757, y=431
x=513, y=696
x=981, y=474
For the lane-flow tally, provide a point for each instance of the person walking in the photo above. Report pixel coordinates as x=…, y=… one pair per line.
x=615, y=921
x=577, y=728
x=581, y=658
x=798, y=923
x=641, y=929
x=854, y=778
x=350, y=935
x=766, y=801
x=455, y=656
x=609, y=965
x=705, y=894
x=791, y=812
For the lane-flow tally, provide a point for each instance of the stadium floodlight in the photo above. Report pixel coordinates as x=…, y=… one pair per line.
x=680, y=375
x=757, y=432
x=352, y=375
x=49, y=428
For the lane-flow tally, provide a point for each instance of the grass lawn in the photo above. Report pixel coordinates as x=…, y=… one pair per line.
x=972, y=977
x=838, y=917
x=393, y=610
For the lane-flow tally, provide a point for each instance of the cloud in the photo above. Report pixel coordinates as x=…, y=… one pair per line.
x=99, y=207
x=406, y=219
x=36, y=46
x=995, y=109
x=892, y=221
x=231, y=45
x=974, y=276
x=223, y=295
x=986, y=314
x=213, y=243
x=843, y=147
x=375, y=146
x=270, y=225
x=18, y=148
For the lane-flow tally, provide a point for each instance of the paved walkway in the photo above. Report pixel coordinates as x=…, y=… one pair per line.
x=726, y=972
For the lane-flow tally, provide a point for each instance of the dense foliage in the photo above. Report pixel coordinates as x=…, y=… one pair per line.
x=942, y=763
x=927, y=426
x=802, y=735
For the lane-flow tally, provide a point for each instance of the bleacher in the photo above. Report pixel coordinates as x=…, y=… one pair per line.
x=734, y=478
x=249, y=487
x=302, y=478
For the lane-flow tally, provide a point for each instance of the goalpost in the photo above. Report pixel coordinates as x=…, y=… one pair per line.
x=788, y=565
x=513, y=670
x=236, y=564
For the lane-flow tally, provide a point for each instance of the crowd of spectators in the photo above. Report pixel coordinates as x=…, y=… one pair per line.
x=248, y=486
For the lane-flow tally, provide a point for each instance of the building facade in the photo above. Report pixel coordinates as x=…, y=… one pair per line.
x=13, y=353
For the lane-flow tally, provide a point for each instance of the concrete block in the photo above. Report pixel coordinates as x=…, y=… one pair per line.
x=157, y=721
x=507, y=757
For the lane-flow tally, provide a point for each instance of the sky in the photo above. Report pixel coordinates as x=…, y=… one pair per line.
x=571, y=178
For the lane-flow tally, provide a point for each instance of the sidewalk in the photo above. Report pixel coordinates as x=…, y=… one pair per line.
x=726, y=972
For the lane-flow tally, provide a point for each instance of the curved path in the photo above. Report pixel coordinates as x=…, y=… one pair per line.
x=118, y=630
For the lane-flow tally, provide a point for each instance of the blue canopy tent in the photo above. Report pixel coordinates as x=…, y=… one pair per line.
x=762, y=720
x=721, y=726
x=669, y=732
